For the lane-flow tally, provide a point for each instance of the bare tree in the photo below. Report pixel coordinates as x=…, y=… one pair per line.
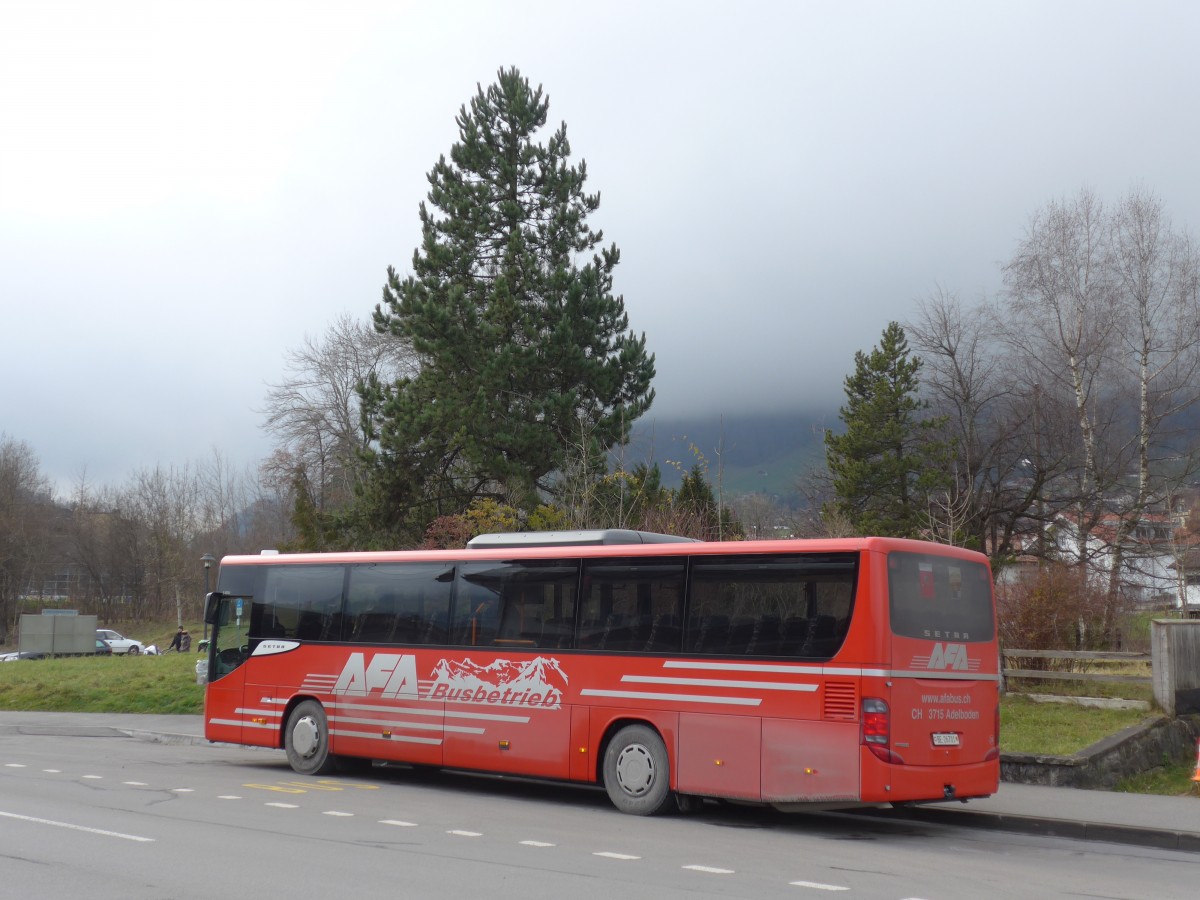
x=1103, y=307
x=315, y=410
x=25, y=514
x=1061, y=318
x=1156, y=277
x=1004, y=457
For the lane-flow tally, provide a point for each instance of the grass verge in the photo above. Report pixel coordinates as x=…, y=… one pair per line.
x=116, y=684
x=1057, y=729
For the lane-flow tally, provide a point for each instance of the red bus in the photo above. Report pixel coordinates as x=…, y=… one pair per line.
x=798, y=673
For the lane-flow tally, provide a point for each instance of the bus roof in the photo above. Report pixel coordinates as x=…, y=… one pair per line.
x=535, y=550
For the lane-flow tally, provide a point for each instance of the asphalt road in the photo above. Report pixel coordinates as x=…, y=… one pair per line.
x=97, y=814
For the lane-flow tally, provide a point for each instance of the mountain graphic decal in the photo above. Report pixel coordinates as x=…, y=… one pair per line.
x=539, y=682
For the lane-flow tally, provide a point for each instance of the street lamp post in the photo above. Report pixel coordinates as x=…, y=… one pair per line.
x=208, y=559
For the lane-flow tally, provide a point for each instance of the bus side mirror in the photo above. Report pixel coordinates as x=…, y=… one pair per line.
x=212, y=608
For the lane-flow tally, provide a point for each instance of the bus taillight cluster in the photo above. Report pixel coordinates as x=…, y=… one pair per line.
x=877, y=729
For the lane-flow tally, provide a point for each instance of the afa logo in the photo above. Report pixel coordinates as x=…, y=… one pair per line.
x=393, y=674
x=539, y=682
x=952, y=657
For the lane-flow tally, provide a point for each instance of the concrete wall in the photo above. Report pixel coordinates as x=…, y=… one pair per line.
x=1133, y=751
x=1175, y=656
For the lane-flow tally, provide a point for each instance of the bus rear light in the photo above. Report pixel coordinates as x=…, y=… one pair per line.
x=877, y=729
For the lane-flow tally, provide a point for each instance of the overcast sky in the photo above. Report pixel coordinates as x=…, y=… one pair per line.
x=188, y=190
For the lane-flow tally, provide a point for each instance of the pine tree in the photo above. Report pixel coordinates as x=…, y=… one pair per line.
x=889, y=460
x=521, y=343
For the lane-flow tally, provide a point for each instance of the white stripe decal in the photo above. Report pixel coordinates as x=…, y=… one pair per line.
x=811, y=670
x=244, y=723
x=415, y=726
x=719, y=682
x=739, y=667
x=685, y=698
x=426, y=711
x=403, y=738
x=940, y=675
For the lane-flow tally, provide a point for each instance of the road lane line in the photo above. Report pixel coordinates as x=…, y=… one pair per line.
x=536, y=844
x=398, y=823
x=71, y=827
x=458, y=833
x=818, y=886
x=135, y=783
x=334, y=812
x=609, y=855
x=282, y=805
x=710, y=870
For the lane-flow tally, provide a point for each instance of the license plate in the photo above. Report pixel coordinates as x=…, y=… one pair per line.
x=945, y=739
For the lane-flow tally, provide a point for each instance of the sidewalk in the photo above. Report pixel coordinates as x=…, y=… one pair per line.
x=1171, y=823
x=1147, y=820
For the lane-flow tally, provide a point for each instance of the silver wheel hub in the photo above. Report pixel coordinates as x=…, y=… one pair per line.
x=635, y=770
x=306, y=736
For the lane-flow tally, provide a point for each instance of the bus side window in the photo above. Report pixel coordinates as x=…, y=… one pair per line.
x=511, y=603
x=632, y=604
x=770, y=605
x=390, y=603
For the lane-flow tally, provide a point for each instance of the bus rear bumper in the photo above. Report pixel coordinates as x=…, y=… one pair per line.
x=888, y=783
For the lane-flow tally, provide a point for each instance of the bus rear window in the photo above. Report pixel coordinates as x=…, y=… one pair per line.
x=939, y=598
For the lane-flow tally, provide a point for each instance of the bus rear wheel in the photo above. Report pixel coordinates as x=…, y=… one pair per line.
x=636, y=772
x=306, y=739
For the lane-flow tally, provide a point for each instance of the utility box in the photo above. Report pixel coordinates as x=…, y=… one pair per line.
x=58, y=635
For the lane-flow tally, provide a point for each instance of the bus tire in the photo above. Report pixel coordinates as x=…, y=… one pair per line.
x=636, y=772
x=307, y=740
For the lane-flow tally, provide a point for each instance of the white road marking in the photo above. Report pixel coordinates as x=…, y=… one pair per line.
x=465, y=833
x=334, y=812
x=183, y=790
x=94, y=777
x=15, y=766
x=398, y=823
x=135, y=783
x=710, y=870
x=608, y=855
x=817, y=886
x=536, y=844
x=68, y=825
x=229, y=797
x=52, y=771
x=282, y=805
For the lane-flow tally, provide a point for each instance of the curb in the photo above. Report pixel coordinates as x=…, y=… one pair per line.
x=1159, y=838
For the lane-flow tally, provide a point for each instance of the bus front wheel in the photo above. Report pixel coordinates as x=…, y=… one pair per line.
x=636, y=772
x=307, y=739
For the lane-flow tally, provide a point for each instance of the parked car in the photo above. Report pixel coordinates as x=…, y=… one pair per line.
x=27, y=654
x=119, y=643
x=102, y=648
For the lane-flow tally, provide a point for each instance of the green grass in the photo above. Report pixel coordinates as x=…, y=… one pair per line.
x=115, y=684
x=1057, y=729
x=1170, y=779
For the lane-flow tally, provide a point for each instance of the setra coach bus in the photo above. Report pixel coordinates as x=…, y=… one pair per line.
x=803, y=674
